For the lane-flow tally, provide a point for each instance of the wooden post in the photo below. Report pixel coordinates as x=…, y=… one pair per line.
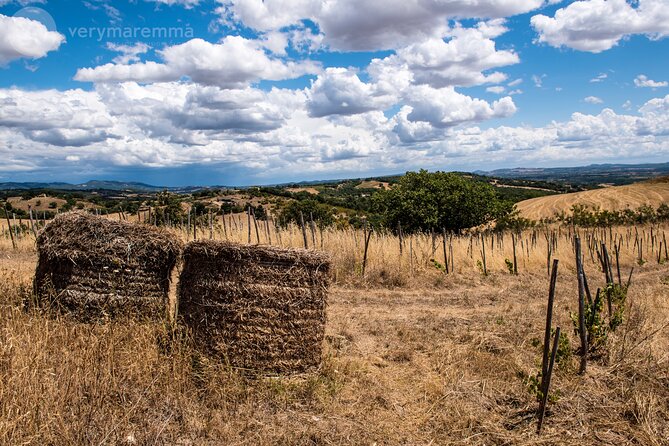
x=544, y=399
x=368, y=235
x=255, y=223
x=515, y=261
x=32, y=224
x=312, y=228
x=485, y=267
x=9, y=227
x=399, y=234
x=304, y=231
x=549, y=322
x=581, y=306
x=211, y=227
x=248, y=221
x=443, y=242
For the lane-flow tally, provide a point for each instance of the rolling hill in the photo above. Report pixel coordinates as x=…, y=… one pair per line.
x=653, y=193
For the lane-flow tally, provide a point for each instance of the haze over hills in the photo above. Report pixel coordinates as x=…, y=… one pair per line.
x=592, y=175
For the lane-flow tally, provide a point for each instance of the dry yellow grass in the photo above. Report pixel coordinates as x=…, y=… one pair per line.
x=609, y=198
x=413, y=357
x=371, y=184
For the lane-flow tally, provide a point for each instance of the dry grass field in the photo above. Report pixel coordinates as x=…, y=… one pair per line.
x=614, y=198
x=413, y=356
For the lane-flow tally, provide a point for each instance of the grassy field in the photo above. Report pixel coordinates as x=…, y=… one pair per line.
x=614, y=198
x=413, y=355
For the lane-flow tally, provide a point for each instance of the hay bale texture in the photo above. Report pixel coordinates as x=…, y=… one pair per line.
x=260, y=308
x=96, y=268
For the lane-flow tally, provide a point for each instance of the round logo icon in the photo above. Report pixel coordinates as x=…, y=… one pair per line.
x=38, y=15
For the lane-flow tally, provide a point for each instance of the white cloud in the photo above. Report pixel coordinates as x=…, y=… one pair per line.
x=25, y=38
x=463, y=60
x=340, y=91
x=497, y=89
x=129, y=53
x=360, y=25
x=593, y=100
x=188, y=4
x=234, y=63
x=599, y=78
x=598, y=25
x=643, y=81
x=446, y=108
x=538, y=80
x=515, y=82
x=271, y=133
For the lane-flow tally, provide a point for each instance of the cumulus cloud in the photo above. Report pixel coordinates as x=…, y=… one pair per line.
x=361, y=25
x=643, y=81
x=497, y=89
x=233, y=63
x=339, y=91
x=593, y=100
x=272, y=132
x=71, y=118
x=463, y=60
x=129, y=53
x=598, y=25
x=24, y=38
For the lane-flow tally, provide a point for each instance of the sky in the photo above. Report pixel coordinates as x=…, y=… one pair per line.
x=239, y=92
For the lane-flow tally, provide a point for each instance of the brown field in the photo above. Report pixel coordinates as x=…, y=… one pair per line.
x=413, y=356
x=370, y=184
x=311, y=190
x=43, y=201
x=610, y=198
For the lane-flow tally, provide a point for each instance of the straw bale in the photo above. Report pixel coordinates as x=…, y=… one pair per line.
x=97, y=268
x=260, y=308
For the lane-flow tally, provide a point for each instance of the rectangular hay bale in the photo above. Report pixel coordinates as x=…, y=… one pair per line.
x=260, y=308
x=95, y=268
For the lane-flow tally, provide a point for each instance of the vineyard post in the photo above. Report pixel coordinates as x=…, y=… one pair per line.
x=9, y=227
x=368, y=235
x=549, y=322
x=581, y=306
x=32, y=224
x=304, y=230
x=544, y=398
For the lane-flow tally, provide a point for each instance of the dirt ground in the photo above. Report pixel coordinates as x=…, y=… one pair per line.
x=448, y=364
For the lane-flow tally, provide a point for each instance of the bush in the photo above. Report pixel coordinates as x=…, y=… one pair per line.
x=424, y=201
x=322, y=214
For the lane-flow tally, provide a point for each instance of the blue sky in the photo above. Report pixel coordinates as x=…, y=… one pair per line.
x=178, y=92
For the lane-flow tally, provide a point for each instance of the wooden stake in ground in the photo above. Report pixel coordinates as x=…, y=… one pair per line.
x=485, y=267
x=581, y=305
x=549, y=322
x=9, y=227
x=443, y=240
x=304, y=231
x=544, y=397
x=32, y=225
x=515, y=260
x=248, y=221
x=368, y=235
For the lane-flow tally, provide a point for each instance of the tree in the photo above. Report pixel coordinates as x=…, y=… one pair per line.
x=323, y=214
x=423, y=201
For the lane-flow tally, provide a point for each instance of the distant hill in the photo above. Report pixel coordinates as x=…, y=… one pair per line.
x=615, y=198
x=89, y=185
x=595, y=174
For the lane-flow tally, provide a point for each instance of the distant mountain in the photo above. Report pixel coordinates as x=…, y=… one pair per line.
x=616, y=174
x=89, y=185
